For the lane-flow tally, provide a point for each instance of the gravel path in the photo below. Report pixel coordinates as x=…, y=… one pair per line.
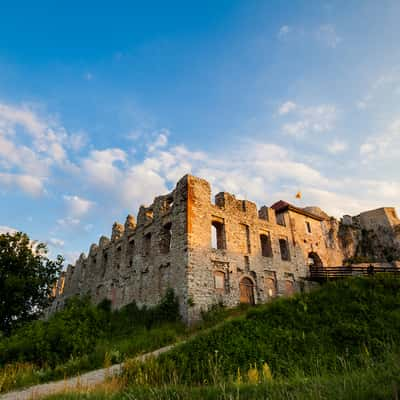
x=86, y=380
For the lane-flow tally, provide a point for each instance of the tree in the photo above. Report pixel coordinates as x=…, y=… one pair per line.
x=27, y=277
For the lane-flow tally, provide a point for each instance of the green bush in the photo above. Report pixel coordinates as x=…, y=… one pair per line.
x=82, y=336
x=72, y=332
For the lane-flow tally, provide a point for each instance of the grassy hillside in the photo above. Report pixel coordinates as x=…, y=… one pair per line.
x=338, y=342
x=351, y=321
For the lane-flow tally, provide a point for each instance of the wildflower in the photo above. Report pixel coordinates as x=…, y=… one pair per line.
x=253, y=375
x=266, y=372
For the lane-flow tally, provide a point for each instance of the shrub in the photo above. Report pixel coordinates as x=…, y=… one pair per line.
x=71, y=336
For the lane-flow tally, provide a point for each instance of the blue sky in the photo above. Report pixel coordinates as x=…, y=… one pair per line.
x=105, y=105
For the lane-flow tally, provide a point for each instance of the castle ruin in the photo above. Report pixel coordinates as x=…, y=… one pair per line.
x=226, y=251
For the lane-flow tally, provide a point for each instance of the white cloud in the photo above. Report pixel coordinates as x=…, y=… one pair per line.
x=56, y=242
x=70, y=257
x=385, y=145
x=68, y=222
x=337, y=146
x=135, y=134
x=7, y=229
x=88, y=227
x=77, y=206
x=296, y=129
x=284, y=30
x=100, y=167
x=364, y=102
x=382, y=91
x=29, y=184
x=77, y=141
x=287, y=107
x=140, y=184
x=30, y=144
x=307, y=120
x=161, y=140
x=328, y=36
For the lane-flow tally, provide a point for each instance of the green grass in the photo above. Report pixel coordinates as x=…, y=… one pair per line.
x=340, y=341
x=83, y=337
x=374, y=381
x=309, y=334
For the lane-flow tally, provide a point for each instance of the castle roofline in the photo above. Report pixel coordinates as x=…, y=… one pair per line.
x=282, y=206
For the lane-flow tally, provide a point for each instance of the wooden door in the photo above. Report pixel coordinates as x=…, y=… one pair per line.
x=246, y=287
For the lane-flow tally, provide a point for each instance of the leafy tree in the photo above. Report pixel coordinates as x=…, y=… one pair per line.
x=27, y=277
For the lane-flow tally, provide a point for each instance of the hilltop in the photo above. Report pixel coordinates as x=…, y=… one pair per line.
x=340, y=341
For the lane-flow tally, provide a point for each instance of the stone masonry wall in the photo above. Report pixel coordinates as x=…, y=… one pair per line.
x=240, y=256
x=226, y=251
x=140, y=261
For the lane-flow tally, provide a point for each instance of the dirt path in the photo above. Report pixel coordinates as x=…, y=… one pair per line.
x=86, y=380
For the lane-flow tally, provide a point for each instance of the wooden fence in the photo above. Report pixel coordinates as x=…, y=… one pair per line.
x=320, y=274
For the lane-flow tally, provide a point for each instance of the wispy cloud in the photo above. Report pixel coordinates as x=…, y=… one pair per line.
x=386, y=86
x=68, y=222
x=307, y=120
x=77, y=206
x=384, y=145
x=287, y=107
x=31, y=185
x=284, y=31
x=58, y=243
x=337, y=146
x=7, y=229
x=30, y=145
x=327, y=35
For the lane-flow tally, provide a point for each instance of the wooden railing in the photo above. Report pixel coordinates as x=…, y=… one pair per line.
x=325, y=273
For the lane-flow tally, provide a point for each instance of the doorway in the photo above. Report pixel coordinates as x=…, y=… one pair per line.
x=246, y=287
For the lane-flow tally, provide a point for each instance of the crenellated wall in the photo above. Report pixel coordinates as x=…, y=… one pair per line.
x=222, y=251
x=140, y=261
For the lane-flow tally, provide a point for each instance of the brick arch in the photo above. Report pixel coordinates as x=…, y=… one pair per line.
x=314, y=260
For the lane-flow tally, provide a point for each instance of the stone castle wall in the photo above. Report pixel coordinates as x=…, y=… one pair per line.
x=140, y=261
x=226, y=251
x=241, y=256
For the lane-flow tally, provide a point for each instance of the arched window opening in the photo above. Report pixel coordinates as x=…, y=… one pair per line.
x=314, y=260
